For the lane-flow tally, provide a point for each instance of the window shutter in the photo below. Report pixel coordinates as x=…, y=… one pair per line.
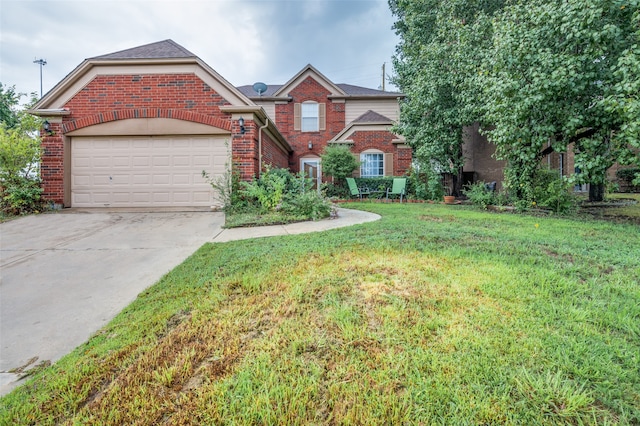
x=297, y=113
x=388, y=164
x=322, y=116
x=356, y=173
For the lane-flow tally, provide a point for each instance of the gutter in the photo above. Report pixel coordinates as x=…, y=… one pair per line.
x=266, y=124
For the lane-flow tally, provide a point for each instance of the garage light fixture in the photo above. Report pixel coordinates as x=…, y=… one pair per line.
x=310, y=145
x=47, y=127
x=241, y=123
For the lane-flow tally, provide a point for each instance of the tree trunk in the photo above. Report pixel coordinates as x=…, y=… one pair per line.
x=457, y=182
x=596, y=192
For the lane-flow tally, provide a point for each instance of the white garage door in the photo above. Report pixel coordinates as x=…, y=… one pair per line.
x=145, y=171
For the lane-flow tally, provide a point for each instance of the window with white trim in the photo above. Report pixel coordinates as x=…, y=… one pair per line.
x=310, y=116
x=371, y=164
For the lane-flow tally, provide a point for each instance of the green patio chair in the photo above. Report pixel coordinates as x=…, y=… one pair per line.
x=354, y=190
x=399, y=187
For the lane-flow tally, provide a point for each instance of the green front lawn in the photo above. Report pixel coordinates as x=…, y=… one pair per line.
x=433, y=315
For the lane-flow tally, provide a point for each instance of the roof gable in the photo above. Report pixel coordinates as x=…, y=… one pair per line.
x=373, y=117
x=309, y=71
x=163, y=57
x=369, y=121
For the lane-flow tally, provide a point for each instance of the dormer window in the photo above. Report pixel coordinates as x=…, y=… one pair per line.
x=309, y=116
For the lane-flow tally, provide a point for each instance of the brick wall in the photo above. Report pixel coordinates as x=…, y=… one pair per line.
x=383, y=141
x=169, y=91
x=117, y=97
x=478, y=155
x=309, y=90
x=272, y=154
x=52, y=164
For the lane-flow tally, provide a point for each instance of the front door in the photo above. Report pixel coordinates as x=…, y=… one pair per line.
x=311, y=168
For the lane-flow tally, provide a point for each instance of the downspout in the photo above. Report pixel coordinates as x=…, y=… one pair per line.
x=260, y=146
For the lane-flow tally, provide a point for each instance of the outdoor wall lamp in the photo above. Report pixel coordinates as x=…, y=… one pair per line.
x=47, y=127
x=310, y=145
x=241, y=123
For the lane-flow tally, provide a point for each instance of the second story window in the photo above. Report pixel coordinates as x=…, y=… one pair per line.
x=309, y=115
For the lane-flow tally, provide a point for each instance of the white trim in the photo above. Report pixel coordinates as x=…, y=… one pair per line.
x=69, y=87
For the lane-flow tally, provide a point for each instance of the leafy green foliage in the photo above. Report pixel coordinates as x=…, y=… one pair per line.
x=276, y=197
x=20, y=155
x=442, y=44
x=479, y=195
x=551, y=65
x=227, y=187
x=9, y=101
x=554, y=192
x=308, y=205
x=22, y=196
x=267, y=190
x=624, y=100
x=532, y=73
x=425, y=184
x=338, y=161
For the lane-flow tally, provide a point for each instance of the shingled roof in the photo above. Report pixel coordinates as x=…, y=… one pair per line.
x=349, y=89
x=166, y=49
x=372, y=117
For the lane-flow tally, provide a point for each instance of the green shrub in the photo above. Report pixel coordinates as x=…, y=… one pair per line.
x=227, y=186
x=336, y=190
x=480, y=195
x=20, y=154
x=278, y=196
x=424, y=185
x=268, y=190
x=554, y=192
x=630, y=177
x=338, y=161
x=22, y=196
x=375, y=183
x=308, y=205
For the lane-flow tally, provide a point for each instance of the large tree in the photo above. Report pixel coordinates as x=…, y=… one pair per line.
x=9, y=101
x=624, y=101
x=442, y=46
x=553, y=65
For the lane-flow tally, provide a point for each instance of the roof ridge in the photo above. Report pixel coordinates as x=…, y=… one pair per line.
x=164, y=49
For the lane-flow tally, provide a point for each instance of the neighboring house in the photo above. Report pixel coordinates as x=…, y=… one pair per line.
x=136, y=128
x=480, y=163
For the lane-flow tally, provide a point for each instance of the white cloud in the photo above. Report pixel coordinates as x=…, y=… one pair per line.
x=244, y=40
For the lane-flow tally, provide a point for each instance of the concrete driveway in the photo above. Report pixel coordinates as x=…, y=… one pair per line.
x=65, y=275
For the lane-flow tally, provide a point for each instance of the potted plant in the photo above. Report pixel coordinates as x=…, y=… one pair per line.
x=449, y=198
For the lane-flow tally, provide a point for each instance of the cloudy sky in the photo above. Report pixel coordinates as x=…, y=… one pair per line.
x=244, y=40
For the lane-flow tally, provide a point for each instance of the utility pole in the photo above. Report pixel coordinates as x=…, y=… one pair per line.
x=41, y=62
x=383, y=74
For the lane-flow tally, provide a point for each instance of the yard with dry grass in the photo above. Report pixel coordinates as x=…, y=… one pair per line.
x=433, y=315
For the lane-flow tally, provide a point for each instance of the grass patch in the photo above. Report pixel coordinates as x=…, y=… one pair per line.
x=620, y=207
x=238, y=220
x=434, y=314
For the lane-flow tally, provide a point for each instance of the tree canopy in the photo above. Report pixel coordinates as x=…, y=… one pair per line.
x=442, y=44
x=534, y=73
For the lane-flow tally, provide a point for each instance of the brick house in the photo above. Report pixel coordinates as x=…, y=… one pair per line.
x=136, y=128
